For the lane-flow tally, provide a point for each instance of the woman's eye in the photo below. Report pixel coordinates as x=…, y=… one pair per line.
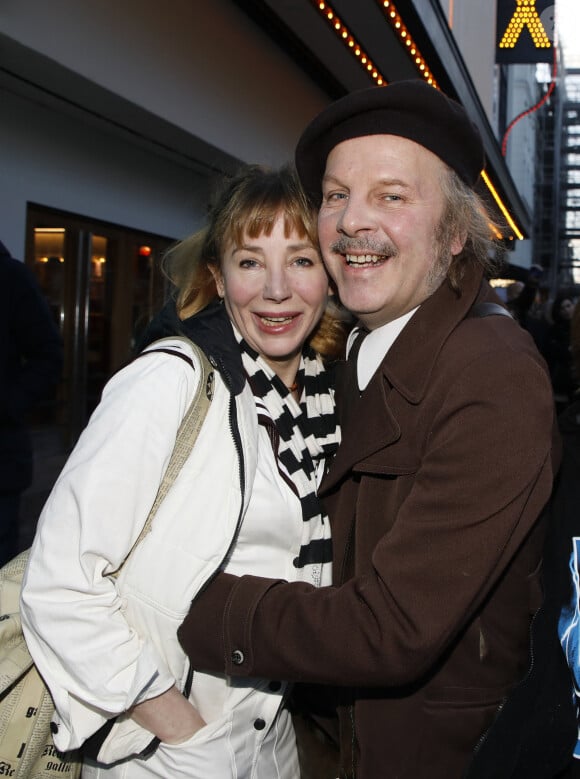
x=248, y=263
x=303, y=262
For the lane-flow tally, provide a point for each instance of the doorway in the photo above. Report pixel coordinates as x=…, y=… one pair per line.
x=103, y=284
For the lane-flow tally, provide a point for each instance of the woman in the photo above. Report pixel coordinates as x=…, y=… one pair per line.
x=252, y=291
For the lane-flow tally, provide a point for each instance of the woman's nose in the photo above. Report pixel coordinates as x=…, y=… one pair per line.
x=277, y=287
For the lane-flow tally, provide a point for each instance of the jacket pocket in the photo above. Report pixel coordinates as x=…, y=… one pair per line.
x=454, y=720
x=207, y=753
x=463, y=697
x=383, y=463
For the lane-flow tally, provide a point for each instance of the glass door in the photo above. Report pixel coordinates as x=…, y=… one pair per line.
x=103, y=283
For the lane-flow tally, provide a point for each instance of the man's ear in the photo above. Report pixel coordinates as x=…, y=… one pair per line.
x=458, y=243
x=215, y=271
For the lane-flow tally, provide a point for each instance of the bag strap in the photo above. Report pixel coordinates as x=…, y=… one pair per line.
x=482, y=309
x=188, y=430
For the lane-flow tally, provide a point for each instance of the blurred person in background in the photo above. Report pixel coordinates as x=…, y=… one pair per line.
x=559, y=352
x=523, y=301
x=31, y=358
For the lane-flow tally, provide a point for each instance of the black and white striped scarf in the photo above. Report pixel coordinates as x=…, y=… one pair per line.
x=304, y=436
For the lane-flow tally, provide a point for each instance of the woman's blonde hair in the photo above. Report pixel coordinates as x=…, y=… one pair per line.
x=248, y=204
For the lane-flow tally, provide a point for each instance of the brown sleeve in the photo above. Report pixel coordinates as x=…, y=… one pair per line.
x=484, y=478
x=203, y=630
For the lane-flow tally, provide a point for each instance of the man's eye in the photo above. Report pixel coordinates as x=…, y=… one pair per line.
x=334, y=196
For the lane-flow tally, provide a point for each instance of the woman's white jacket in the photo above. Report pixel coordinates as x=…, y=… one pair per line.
x=80, y=623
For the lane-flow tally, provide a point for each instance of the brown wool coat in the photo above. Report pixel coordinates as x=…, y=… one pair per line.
x=433, y=496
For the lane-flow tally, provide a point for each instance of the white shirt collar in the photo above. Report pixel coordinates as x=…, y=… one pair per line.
x=375, y=346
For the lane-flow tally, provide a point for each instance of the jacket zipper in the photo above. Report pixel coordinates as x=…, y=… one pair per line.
x=483, y=738
x=235, y=433
x=347, y=555
x=352, y=739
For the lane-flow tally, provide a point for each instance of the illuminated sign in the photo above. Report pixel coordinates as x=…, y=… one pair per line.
x=525, y=31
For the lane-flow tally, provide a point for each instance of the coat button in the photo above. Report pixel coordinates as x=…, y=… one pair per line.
x=296, y=562
x=53, y=727
x=237, y=657
x=275, y=686
x=259, y=724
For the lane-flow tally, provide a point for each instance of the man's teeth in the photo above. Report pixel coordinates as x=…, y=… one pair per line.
x=364, y=259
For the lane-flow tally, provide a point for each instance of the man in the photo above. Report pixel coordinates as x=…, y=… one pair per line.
x=444, y=467
x=30, y=368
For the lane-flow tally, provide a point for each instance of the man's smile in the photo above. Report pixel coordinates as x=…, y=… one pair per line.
x=362, y=260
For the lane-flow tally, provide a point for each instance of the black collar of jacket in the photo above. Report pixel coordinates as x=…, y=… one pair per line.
x=211, y=330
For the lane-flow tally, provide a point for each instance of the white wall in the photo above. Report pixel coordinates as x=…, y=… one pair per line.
x=61, y=162
x=200, y=64
x=521, y=145
x=521, y=142
x=473, y=26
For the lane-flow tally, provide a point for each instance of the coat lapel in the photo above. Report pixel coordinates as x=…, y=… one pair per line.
x=370, y=424
x=412, y=358
x=361, y=440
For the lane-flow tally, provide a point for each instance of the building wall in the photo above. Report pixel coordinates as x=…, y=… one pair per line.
x=474, y=29
x=59, y=161
x=473, y=26
x=204, y=68
x=521, y=145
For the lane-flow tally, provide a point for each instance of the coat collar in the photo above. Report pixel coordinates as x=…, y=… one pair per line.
x=211, y=330
x=410, y=361
x=361, y=440
x=407, y=367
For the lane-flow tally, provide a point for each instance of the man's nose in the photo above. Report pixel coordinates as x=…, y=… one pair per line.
x=355, y=217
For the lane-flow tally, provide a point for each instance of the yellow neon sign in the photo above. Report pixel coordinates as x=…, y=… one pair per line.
x=502, y=207
x=525, y=15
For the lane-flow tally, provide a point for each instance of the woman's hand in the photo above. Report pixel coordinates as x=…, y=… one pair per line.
x=169, y=716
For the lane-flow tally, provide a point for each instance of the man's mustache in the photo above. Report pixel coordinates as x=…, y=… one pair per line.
x=344, y=245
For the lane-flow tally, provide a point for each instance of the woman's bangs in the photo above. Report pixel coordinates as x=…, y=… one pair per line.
x=260, y=220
